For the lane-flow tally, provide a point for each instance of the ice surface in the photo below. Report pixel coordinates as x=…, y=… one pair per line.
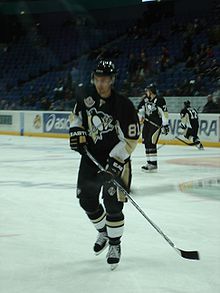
x=46, y=240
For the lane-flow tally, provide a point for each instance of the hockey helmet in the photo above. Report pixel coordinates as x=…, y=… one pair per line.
x=152, y=88
x=105, y=68
x=187, y=104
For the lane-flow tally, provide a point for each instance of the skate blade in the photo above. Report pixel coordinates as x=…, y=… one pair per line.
x=113, y=266
x=200, y=149
x=99, y=252
x=149, y=171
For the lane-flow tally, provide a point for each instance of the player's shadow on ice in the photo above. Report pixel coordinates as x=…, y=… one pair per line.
x=99, y=264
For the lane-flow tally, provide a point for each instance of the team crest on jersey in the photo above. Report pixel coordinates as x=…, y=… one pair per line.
x=89, y=102
x=99, y=123
x=150, y=108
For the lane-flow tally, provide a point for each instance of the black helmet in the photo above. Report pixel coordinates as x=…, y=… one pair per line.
x=105, y=68
x=152, y=88
x=187, y=104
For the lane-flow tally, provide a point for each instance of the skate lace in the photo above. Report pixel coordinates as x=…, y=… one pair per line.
x=102, y=237
x=114, y=251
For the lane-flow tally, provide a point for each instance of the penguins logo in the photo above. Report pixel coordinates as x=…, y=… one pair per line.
x=99, y=123
x=150, y=108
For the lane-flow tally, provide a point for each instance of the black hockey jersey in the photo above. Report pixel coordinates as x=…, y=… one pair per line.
x=154, y=110
x=189, y=117
x=112, y=124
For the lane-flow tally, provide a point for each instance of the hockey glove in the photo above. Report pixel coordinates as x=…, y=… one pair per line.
x=165, y=129
x=183, y=126
x=114, y=169
x=77, y=139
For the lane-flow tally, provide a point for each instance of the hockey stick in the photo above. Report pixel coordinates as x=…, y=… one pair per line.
x=153, y=123
x=160, y=146
x=187, y=143
x=182, y=253
x=158, y=126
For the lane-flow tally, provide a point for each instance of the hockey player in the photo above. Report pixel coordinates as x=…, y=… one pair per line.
x=190, y=124
x=107, y=124
x=152, y=112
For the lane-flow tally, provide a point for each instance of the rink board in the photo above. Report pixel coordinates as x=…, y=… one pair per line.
x=56, y=124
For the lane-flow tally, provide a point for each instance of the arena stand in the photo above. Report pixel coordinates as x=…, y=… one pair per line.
x=57, y=52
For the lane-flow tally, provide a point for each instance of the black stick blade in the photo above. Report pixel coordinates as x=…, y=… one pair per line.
x=187, y=143
x=189, y=254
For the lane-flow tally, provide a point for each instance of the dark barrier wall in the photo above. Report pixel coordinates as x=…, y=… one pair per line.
x=45, y=6
x=189, y=7
x=40, y=6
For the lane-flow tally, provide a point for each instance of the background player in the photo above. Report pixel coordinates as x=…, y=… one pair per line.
x=190, y=124
x=107, y=123
x=152, y=111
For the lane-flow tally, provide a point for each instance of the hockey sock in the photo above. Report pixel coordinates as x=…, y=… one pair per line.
x=98, y=218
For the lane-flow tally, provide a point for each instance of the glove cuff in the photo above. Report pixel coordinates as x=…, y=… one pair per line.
x=116, y=166
x=77, y=139
x=77, y=131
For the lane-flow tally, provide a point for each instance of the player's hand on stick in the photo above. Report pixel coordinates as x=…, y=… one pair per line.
x=113, y=170
x=165, y=129
x=183, y=126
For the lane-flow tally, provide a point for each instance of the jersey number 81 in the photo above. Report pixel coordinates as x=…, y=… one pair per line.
x=134, y=130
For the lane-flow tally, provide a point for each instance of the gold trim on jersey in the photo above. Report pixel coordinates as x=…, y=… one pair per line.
x=155, y=136
x=130, y=145
x=126, y=178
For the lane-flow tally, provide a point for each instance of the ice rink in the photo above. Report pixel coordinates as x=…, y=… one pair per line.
x=46, y=240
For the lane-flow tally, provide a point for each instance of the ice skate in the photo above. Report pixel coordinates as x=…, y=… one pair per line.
x=200, y=146
x=101, y=243
x=149, y=168
x=113, y=255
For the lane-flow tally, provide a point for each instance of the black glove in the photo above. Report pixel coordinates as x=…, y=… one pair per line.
x=113, y=170
x=183, y=126
x=165, y=129
x=77, y=139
